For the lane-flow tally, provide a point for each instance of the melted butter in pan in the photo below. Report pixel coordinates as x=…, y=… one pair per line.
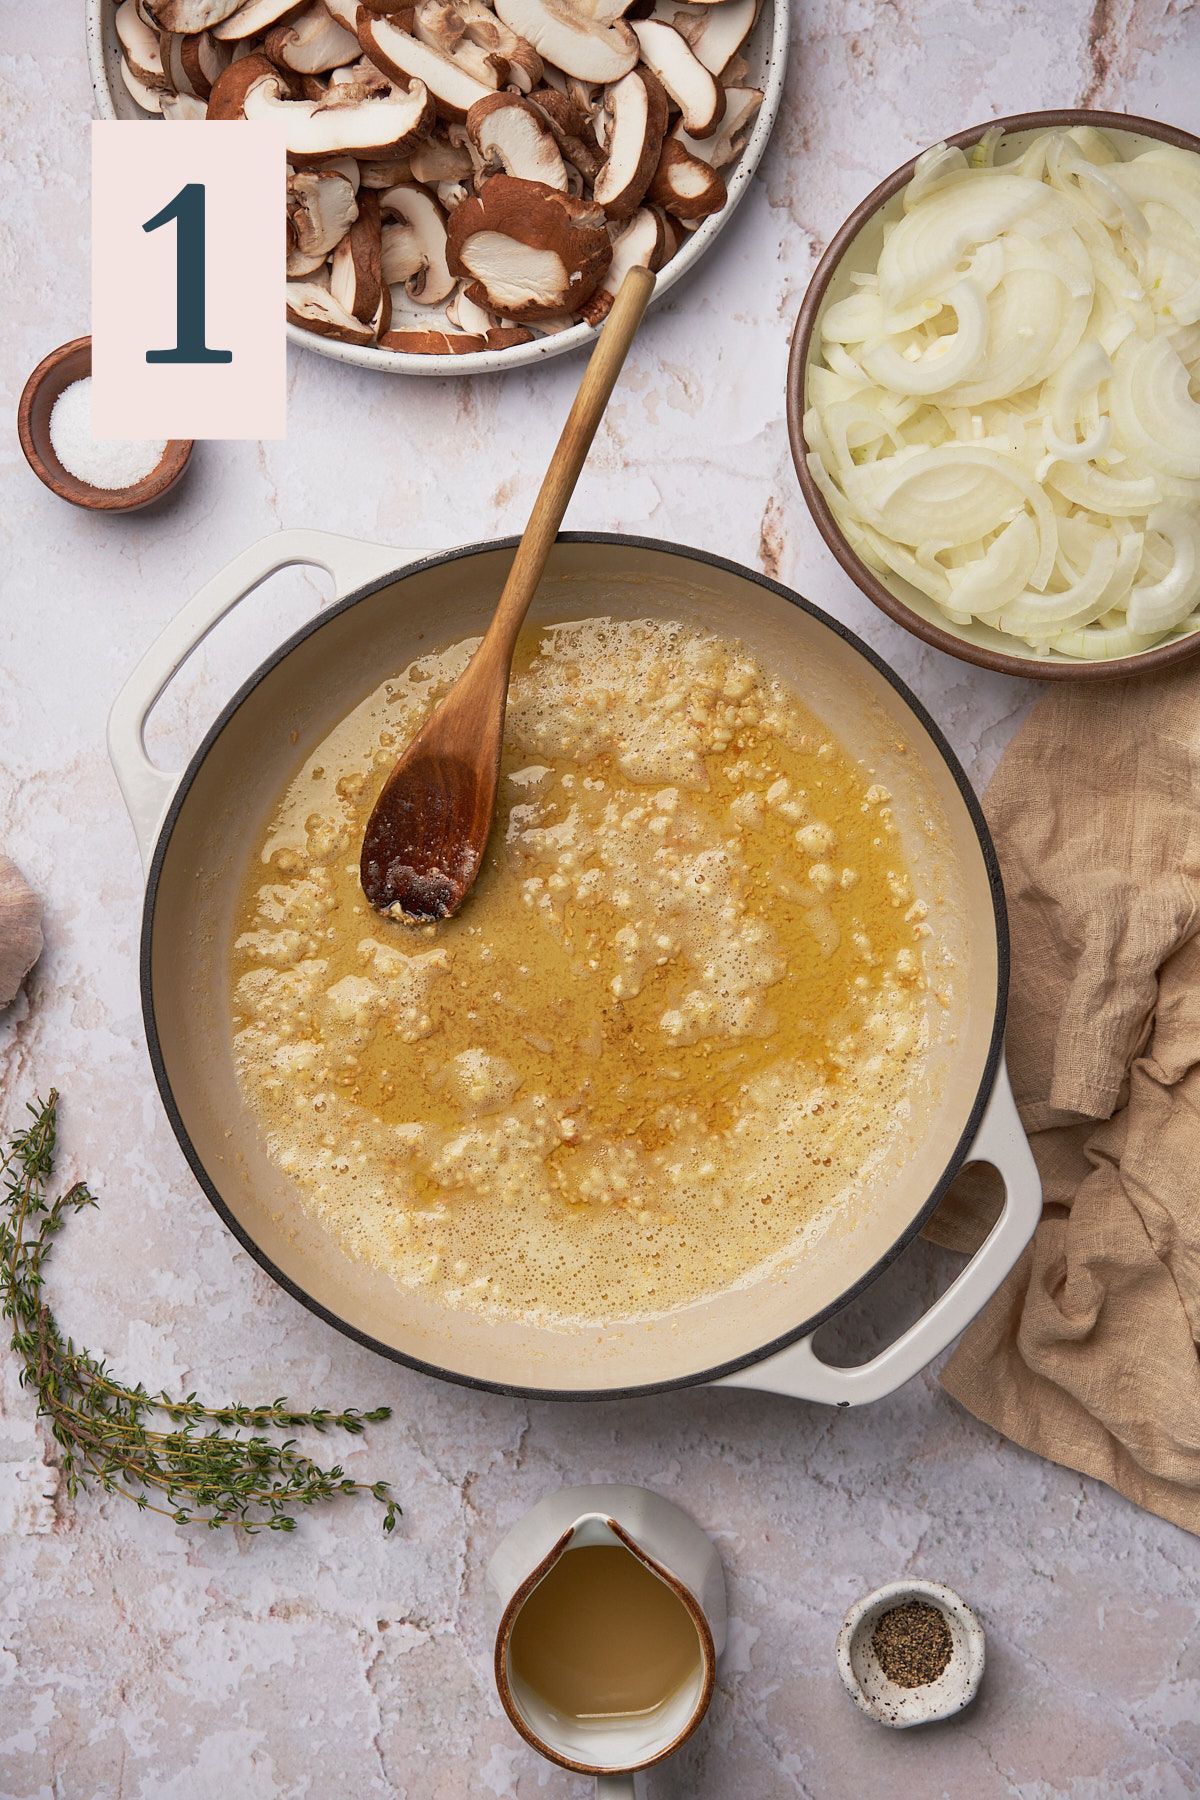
x=678, y=1017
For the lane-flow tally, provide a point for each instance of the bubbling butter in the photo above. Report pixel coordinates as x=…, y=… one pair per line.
x=680, y=1018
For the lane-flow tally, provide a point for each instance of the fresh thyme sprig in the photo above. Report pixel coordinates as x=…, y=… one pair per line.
x=203, y=1470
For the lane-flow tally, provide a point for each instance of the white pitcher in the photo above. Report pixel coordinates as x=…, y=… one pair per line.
x=667, y=1542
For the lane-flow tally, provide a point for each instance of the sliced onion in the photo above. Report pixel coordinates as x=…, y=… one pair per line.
x=1076, y=381
x=1159, y=606
x=1037, y=467
x=1039, y=616
x=947, y=360
x=923, y=248
x=1101, y=643
x=1086, y=485
x=949, y=495
x=1002, y=573
x=1152, y=407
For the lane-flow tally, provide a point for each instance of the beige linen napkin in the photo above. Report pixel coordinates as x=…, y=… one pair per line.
x=1088, y=1354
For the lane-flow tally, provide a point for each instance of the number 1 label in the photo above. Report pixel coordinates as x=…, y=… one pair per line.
x=187, y=210
x=188, y=271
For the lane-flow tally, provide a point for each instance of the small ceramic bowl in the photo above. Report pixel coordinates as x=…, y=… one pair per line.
x=856, y=247
x=55, y=373
x=885, y=1700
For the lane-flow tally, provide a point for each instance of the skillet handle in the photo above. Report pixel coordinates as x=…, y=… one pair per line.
x=799, y=1372
x=146, y=788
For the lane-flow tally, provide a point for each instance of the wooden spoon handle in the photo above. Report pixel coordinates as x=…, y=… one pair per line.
x=599, y=379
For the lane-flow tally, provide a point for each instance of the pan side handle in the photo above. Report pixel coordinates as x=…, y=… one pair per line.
x=146, y=788
x=799, y=1371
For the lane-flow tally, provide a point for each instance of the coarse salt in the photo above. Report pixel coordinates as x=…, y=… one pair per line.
x=118, y=464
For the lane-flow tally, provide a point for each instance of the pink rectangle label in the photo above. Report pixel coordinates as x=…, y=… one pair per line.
x=188, y=261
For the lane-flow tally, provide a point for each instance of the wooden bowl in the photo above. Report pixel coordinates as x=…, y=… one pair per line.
x=71, y=362
x=975, y=643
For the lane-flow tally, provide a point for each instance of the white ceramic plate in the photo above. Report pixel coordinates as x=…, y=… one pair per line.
x=766, y=53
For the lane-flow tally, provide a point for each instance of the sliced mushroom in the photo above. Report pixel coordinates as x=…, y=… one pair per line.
x=632, y=124
x=639, y=244
x=437, y=159
x=521, y=61
x=356, y=278
x=322, y=206
x=253, y=17
x=433, y=343
x=195, y=63
x=529, y=251
x=455, y=343
x=312, y=42
x=741, y=108
x=149, y=99
x=571, y=39
x=189, y=15
x=182, y=106
x=572, y=128
x=715, y=34
x=440, y=24
x=346, y=167
x=467, y=315
x=141, y=47
x=367, y=125
x=382, y=175
x=454, y=90
x=685, y=185
x=692, y=87
x=311, y=304
x=513, y=138
x=415, y=244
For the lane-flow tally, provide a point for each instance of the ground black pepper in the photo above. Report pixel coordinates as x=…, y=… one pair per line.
x=913, y=1644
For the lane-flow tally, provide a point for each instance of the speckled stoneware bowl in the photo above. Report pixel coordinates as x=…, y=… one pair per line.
x=856, y=248
x=766, y=51
x=883, y=1699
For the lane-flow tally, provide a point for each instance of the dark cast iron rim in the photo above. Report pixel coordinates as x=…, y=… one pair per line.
x=805, y=1327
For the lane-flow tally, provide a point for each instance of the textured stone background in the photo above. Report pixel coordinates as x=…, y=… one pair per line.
x=139, y=1661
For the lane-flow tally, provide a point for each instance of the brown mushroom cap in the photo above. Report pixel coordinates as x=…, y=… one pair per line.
x=197, y=62
x=634, y=121
x=356, y=273
x=571, y=40
x=693, y=88
x=528, y=251
x=455, y=343
x=514, y=138
x=685, y=185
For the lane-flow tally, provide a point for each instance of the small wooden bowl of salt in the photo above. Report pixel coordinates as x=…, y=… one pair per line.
x=103, y=475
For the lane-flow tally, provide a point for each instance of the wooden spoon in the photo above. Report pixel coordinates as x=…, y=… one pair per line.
x=427, y=834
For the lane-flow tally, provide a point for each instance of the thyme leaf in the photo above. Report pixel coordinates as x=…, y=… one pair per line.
x=192, y=1463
